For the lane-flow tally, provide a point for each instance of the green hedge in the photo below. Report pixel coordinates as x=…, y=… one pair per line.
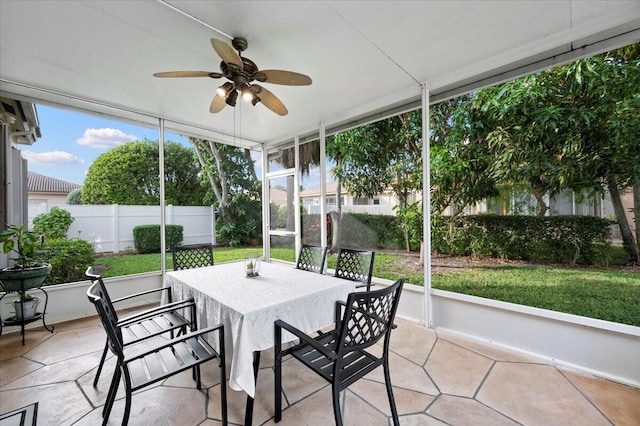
x=146, y=238
x=563, y=239
x=69, y=259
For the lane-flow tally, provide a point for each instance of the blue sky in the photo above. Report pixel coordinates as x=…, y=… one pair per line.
x=71, y=141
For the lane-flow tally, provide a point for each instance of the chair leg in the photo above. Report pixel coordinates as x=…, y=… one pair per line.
x=104, y=356
x=111, y=395
x=223, y=377
x=128, y=391
x=392, y=401
x=336, y=403
x=278, y=373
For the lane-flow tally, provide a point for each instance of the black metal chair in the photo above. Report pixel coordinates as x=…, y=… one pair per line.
x=165, y=359
x=311, y=258
x=340, y=356
x=148, y=323
x=355, y=265
x=195, y=256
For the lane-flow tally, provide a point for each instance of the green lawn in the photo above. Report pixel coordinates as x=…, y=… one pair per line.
x=610, y=294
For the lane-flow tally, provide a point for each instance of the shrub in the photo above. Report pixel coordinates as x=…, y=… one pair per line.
x=69, y=259
x=246, y=221
x=74, y=197
x=54, y=224
x=146, y=238
x=564, y=239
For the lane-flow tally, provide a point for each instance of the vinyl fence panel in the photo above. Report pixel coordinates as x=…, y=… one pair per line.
x=110, y=227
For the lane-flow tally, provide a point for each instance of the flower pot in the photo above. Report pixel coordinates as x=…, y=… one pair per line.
x=26, y=309
x=13, y=279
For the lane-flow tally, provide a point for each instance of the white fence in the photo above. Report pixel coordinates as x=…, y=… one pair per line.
x=110, y=227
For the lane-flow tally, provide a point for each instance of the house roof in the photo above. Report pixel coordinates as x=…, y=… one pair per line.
x=367, y=59
x=40, y=183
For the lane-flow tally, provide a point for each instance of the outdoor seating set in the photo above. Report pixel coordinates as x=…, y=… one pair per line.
x=338, y=355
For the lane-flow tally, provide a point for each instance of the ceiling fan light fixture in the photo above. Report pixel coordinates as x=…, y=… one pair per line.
x=225, y=89
x=255, y=100
x=247, y=93
x=231, y=98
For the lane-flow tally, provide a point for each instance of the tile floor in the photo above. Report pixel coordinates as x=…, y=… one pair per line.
x=439, y=379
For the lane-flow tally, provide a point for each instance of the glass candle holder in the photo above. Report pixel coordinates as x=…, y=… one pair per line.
x=252, y=264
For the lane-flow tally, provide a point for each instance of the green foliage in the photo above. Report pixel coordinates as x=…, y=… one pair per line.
x=24, y=243
x=563, y=239
x=69, y=259
x=54, y=224
x=367, y=231
x=146, y=238
x=74, y=197
x=128, y=175
x=246, y=224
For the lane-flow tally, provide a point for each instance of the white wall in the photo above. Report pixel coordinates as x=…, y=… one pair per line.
x=110, y=227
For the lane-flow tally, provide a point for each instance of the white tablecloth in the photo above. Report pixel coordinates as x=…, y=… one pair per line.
x=248, y=306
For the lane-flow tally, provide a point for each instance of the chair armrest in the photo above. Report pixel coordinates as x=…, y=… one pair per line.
x=153, y=312
x=306, y=338
x=142, y=293
x=167, y=344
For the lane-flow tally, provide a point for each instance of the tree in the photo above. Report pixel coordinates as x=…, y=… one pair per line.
x=129, y=175
x=234, y=189
x=371, y=158
x=576, y=126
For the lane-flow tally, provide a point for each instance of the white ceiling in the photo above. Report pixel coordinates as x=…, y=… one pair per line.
x=365, y=57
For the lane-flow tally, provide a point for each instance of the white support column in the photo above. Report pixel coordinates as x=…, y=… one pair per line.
x=296, y=193
x=163, y=218
x=266, y=244
x=426, y=206
x=323, y=186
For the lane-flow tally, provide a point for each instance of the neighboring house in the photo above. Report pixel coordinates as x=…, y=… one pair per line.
x=45, y=189
x=382, y=203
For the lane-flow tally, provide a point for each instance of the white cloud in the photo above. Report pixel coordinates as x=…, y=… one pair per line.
x=53, y=158
x=105, y=138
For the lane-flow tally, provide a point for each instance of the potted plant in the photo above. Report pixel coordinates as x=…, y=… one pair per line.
x=28, y=271
x=25, y=307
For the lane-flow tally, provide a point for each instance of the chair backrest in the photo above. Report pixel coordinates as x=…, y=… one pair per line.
x=311, y=258
x=355, y=265
x=368, y=317
x=186, y=257
x=100, y=298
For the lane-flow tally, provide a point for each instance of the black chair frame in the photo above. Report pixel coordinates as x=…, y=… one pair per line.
x=340, y=356
x=355, y=265
x=194, y=256
x=141, y=369
x=311, y=258
x=167, y=318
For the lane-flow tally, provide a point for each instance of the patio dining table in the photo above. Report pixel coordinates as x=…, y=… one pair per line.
x=248, y=307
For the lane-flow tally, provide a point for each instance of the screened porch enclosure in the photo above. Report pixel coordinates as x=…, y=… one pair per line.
x=368, y=61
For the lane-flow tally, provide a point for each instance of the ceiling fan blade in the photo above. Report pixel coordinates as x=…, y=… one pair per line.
x=270, y=100
x=217, y=104
x=287, y=78
x=226, y=52
x=188, y=74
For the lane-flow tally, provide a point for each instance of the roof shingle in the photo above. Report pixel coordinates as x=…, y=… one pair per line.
x=40, y=183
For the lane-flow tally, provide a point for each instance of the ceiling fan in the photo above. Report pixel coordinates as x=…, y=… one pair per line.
x=241, y=73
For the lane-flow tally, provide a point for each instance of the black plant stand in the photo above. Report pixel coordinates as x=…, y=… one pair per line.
x=24, y=321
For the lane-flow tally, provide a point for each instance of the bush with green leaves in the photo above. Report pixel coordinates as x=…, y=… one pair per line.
x=245, y=224
x=563, y=239
x=146, y=238
x=69, y=259
x=74, y=197
x=53, y=225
